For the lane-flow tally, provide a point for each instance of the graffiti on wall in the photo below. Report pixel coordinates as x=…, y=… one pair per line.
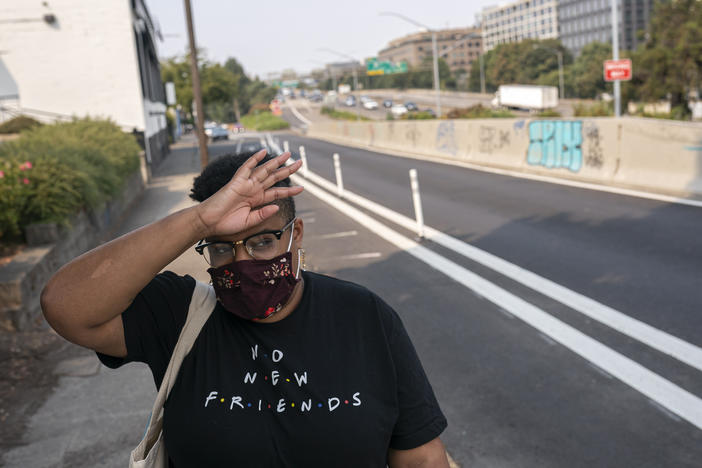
x=491, y=138
x=556, y=144
x=595, y=155
x=446, y=138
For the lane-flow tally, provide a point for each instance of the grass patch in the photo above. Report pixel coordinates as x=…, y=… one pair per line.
x=548, y=113
x=599, y=109
x=342, y=115
x=421, y=115
x=263, y=121
x=478, y=111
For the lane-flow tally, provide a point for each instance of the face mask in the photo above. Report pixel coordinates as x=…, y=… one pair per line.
x=255, y=289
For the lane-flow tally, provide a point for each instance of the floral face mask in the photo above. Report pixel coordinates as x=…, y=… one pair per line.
x=256, y=289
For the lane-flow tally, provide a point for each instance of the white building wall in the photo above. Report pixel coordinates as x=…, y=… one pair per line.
x=519, y=20
x=84, y=64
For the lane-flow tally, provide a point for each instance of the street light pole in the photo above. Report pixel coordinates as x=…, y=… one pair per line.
x=560, y=74
x=434, y=53
x=559, y=54
x=615, y=56
x=482, y=75
x=437, y=89
x=197, y=91
x=354, y=73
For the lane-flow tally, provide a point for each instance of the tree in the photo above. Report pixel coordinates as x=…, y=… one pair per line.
x=227, y=92
x=518, y=63
x=670, y=64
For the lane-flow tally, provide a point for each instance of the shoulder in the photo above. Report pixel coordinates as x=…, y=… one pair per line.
x=351, y=298
x=337, y=290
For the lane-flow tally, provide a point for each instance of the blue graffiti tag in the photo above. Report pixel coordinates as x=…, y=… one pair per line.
x=446, y=138
x=556, y=144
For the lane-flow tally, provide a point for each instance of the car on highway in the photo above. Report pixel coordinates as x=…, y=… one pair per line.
x=350, y=101
x=216, y=132
x=370, y=104
x=387, y=103
x=398, y=109
x=411, y=106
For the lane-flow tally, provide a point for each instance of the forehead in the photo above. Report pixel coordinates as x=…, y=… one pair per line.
x=274, y=223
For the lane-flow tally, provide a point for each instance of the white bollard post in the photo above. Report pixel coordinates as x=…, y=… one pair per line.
x=414, y=184
x=286, y=146
x=339, y=180
x=303, y=157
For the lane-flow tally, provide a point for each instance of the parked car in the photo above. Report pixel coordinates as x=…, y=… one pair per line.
x=350, y=101
x=398, y=110
x=411, y=106
x=370, y=104
x=215, y=132
x=387, y=103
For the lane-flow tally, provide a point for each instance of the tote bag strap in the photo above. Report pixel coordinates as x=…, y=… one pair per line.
x=201, y=306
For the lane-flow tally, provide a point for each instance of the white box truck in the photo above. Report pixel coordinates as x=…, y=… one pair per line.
x=530, y=97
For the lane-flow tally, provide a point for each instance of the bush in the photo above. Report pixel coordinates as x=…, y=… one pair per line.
x=421, y=115
x=342, y=115
x=263, y=121
x=53, y=171
x=478, y=111
x=18, y=124
x=599, y=109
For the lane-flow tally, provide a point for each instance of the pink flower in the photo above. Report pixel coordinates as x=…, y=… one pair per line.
x=27, y=165
x=2, y=174
x=25, y=181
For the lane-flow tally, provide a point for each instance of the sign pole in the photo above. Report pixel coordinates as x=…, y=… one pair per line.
x=615, y=56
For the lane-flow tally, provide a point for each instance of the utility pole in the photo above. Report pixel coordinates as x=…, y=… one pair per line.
x=197, y=91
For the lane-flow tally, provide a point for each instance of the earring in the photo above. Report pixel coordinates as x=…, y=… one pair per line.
x=301, y=254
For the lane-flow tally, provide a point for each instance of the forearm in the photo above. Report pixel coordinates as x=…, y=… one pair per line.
x=100, y=284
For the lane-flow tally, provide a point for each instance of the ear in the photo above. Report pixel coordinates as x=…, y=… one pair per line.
x=299, y=233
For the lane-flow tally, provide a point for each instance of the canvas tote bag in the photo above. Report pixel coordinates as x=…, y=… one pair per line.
x=151, y=453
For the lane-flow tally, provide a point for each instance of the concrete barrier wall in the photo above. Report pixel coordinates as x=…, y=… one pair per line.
x=645, y=154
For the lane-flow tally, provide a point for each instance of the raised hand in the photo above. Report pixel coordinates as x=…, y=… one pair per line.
x=244, y=201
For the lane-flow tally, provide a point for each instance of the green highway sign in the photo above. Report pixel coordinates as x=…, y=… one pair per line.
x=374, y=67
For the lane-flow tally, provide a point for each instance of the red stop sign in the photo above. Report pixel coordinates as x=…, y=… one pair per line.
x=617, y=70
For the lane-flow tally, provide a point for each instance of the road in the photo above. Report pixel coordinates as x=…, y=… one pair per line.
x=520, y=393
x=424, y=98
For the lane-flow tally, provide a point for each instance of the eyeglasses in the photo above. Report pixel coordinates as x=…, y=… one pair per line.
x=262, y=246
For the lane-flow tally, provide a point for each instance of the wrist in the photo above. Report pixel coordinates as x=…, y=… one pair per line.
x=199, y=226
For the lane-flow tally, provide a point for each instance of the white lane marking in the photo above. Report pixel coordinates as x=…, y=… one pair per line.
x=238, y=145
x=524, y=175
x=299, y=116
x=664, y=342
x=309, y=220
x=337, y=235
x=670, y=396
x=360, y=256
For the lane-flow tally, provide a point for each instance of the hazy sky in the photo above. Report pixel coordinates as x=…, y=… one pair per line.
x=269, y=36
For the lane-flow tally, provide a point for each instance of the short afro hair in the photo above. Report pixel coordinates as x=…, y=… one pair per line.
x=221, y=170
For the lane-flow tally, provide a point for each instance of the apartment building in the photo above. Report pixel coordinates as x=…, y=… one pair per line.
x=516, y=21
x=459, y=47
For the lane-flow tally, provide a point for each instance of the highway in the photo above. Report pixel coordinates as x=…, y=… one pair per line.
x=561, y=328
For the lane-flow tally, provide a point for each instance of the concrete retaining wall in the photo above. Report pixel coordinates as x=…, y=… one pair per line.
x=22, y=279
x=645, y=154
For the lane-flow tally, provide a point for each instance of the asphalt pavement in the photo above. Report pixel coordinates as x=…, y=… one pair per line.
x=513, y=395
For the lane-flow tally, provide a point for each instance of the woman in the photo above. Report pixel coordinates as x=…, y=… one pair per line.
x=291, y=369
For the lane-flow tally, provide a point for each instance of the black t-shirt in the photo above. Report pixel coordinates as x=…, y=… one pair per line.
x=335, y=383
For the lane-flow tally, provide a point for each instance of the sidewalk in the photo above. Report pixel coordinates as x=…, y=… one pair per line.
x=93, y=416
